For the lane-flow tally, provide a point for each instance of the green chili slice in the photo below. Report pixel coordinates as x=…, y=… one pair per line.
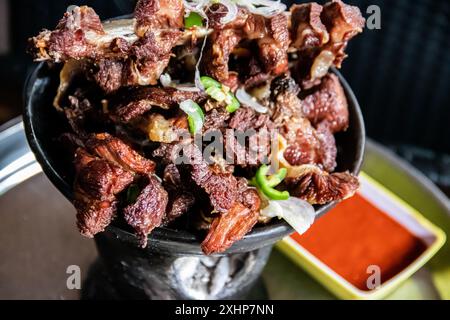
x=209, y=82
x=267, y=184
x=234, y=105
x=216, y=91
x=194, y=19
x=196, y=117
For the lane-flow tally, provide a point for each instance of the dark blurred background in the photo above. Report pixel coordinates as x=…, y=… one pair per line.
x=400, y=73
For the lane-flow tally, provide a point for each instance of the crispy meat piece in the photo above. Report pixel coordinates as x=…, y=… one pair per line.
x=97, y=182
x=70, y=38
x=215, y=179
x=120, y=46
x=82, y=158
x=306, y=144
x=274, y=45
x=319, y=187
x=327, y=104
x=83, y=18
x=220, y=186
x=257, y=128
x=252, y=152
x=222, y=43
x=215, y=120
x=142, y=64
x=307, y=30
x=256, y=79
x=99, y=178
x=158, y=14
x=321, y=36
x=93, y=215
x=122, y=57
x=284, y=100
x=177, y=206
x=148, y=211
x=155, y=45
x=150, y=55
x=77, y=113
x=142, y=99
x=271, y=35
x=310, y=146
x=109, y=75
x=180, y=198
x=133, y=109
x=233, y=225
x=117, y=152
x=343, y=22
x=165, y=152
x=218, y=183
x=246, y=118
x=172, y=177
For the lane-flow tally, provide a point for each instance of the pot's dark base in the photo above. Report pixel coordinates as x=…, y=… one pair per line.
x=150, y=273
x=99, y=286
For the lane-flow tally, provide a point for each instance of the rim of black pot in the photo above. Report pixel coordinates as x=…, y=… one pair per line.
x=171, y=239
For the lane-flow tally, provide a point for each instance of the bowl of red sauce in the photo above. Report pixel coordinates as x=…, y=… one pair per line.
x=366, y=246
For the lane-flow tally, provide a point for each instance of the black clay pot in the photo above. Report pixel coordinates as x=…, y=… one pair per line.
x=172, y=266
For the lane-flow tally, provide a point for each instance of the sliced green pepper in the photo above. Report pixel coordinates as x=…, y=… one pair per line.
x=267, y=184
x=209, y=82
x=196, y=117
x=234, y=105
x=194, y=19
x=277, y=178
x=195, y=124
x=216, y=91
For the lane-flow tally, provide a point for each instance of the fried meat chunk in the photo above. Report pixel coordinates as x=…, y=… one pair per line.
x=148, y=211
x=96, y=186
x=119, y=153
x=320, y=187
x=233, y=225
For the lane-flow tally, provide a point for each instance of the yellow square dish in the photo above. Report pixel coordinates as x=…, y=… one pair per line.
x=432, y=236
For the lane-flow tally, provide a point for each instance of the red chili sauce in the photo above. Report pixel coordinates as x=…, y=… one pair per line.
x=356, y=235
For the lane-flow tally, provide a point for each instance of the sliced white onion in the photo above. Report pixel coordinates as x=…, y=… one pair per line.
x=188, y=106
x=266, y=8
x=188, y=88
x=165, y=80
x=71, y=8
x=195, y=6
x=198, y=82
x=232, y=11
x=298, y=213
x=249, y=101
